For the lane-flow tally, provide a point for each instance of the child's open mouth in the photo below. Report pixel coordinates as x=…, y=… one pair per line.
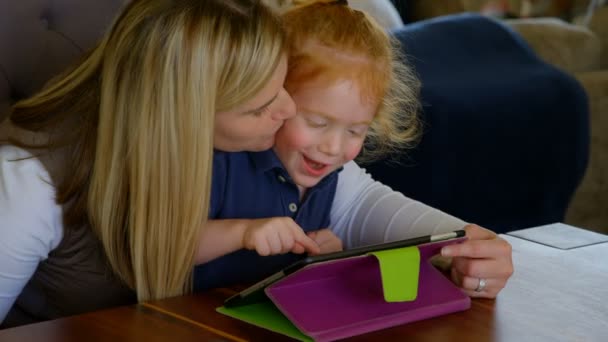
x=314, y=168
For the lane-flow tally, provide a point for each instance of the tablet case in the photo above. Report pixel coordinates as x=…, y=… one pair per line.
x=352, y=296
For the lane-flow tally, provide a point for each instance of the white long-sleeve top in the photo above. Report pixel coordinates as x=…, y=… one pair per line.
x=30, y=221
x=366, y=212
x=363, y=212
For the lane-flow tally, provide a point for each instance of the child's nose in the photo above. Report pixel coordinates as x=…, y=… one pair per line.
x=331, y=144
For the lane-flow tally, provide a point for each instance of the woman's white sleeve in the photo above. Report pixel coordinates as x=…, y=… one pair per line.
x=30, y=222
x=367, y=212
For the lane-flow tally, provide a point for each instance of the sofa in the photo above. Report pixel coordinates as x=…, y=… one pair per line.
x=578, y=47
x=39, y=38
x=506, y=134
x=491, y=152
x=581, y=51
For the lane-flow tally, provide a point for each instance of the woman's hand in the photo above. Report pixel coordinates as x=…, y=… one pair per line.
x=483, y=257
x=277, y=235
x=327, y=241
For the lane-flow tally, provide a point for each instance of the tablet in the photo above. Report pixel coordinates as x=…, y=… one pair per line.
x=255, y=293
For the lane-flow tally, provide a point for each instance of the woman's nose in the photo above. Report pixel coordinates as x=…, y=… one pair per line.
x=285, y=107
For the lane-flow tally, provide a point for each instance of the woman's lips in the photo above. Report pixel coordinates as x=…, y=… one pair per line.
x=314, y=168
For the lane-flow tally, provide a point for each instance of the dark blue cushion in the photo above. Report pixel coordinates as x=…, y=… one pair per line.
x=506, y=136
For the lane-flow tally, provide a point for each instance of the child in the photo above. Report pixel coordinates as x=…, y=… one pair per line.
x=349, y=86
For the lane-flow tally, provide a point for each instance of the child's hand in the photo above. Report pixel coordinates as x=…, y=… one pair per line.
x=328, y=241
x=277, y=235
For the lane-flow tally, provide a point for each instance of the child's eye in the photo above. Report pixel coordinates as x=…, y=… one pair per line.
x=316, y=124
x=357, y=132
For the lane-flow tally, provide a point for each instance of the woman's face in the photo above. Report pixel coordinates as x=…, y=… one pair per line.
x=253, y=125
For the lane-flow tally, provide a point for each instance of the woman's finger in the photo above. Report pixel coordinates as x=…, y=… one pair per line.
x=477, y=268
x=494, y=248
x=475, y=287
x=475, y=232
x=477, y=284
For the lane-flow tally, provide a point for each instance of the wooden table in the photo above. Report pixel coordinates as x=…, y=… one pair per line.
x=554, y=295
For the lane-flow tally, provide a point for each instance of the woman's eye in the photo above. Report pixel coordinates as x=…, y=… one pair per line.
x=260, y=112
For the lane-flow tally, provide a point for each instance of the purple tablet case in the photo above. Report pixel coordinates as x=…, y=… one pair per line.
x=342, y=298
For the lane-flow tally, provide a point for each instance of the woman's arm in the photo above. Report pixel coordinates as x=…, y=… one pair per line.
x=30, y=222
x=366, y=212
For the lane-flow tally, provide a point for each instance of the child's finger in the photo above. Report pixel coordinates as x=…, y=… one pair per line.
x=309, y=244
x=288, y=242
x=262, y=248
x=275, y=243
x=298, y=248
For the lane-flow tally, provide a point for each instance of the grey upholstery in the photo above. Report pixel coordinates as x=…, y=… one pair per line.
x=39, y=38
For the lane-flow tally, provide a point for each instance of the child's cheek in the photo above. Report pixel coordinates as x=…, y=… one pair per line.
x=352, y=152
x=299, y=138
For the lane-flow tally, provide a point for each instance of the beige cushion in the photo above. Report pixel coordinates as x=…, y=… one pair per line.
x=383, y=11
x=570, y=47
x=599, y=25
x=588, y=207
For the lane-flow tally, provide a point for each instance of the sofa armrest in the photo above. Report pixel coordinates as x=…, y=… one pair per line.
x=569, y=47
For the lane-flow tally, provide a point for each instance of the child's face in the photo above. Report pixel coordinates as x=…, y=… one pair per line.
x=327, y=131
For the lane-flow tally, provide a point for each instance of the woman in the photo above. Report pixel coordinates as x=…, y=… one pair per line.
x=123, y=143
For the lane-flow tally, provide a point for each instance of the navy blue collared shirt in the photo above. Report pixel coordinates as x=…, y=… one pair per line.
x=256, y=185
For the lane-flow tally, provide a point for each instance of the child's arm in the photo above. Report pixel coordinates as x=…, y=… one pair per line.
x=267, y=236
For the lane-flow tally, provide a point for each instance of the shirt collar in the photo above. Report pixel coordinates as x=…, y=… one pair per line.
x=265, y=161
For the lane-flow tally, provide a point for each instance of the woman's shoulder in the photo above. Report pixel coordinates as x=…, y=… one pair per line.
x=27, y=199
x=12, y=150
x=17, y=163
x=19, y=167
x=11, y=153
x=30, y=221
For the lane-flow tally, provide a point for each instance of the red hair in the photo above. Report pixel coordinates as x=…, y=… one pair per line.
x=330, y=41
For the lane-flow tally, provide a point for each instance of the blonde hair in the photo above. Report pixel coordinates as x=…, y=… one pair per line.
x=331, y=41
x=143, y=103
